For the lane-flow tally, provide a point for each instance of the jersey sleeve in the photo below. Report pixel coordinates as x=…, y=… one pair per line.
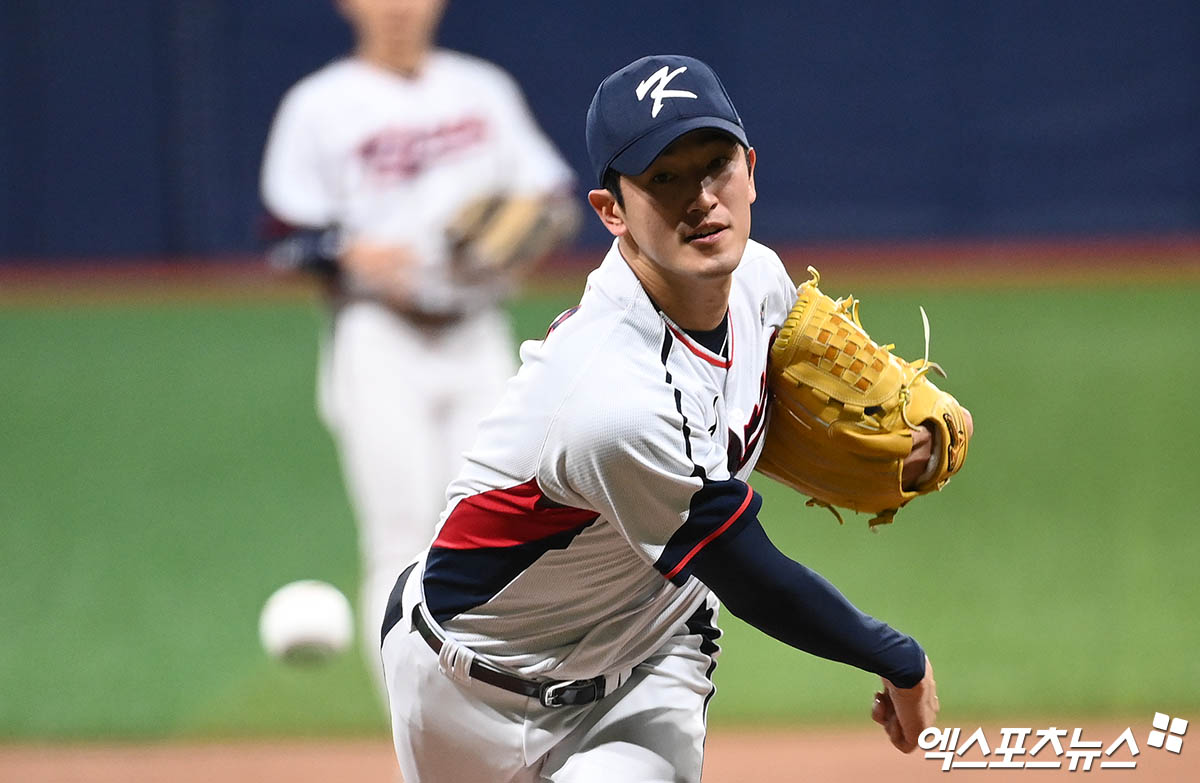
x=535, y=165
x=805, y=610
x=651, y=475
x=781, y=290
x=293, y=185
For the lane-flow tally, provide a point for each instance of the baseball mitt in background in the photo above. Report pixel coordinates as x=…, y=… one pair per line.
x=499, y=232
x=843, y=409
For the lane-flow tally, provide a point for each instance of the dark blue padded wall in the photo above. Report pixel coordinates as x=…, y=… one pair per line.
x=136, y=128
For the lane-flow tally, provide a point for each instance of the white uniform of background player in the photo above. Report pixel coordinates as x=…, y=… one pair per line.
x=387, y=146
x=561, y=625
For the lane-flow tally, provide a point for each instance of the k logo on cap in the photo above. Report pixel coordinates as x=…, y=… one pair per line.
x=662, y=78
x=685, y=95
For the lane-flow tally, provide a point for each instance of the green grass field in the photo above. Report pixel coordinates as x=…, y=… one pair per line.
x=162, y=470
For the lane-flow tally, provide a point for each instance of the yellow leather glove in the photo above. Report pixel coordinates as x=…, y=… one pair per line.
x=843, y=409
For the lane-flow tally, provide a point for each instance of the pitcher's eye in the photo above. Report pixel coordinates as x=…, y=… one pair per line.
x=662, y=178
x=718, y=163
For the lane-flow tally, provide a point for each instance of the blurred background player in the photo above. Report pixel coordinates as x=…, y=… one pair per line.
x=370, y=162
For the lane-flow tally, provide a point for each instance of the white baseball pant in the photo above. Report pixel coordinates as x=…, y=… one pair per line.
x=650, y=730
x=402, y=403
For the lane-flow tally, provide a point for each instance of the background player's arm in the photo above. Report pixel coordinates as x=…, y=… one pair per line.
x=357, y=267
x=383, y=271
x=304, y=229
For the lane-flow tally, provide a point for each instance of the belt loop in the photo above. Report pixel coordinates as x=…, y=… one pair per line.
x=455, y=660
x=460, y=663
x=616, y=680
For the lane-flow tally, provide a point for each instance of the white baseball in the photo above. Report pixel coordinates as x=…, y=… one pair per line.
x=305, y=621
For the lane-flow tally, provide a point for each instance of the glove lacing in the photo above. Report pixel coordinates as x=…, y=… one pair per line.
x=848, y=307
x=926, y=366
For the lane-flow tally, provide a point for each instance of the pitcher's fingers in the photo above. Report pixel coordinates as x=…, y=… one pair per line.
x=881, y=708
x=894, y=731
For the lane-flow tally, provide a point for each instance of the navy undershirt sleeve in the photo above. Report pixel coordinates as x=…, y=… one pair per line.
x=308, y=250
x=799, y=607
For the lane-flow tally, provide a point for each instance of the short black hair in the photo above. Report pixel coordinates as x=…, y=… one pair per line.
x=612, y=179
x=612, y=183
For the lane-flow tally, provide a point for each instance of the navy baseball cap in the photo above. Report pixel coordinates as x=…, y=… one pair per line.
x=639, y=110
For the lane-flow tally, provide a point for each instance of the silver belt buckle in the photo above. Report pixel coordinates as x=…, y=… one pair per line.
x=550, y=694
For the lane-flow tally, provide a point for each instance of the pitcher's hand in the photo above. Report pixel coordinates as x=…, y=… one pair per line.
x=905, y=712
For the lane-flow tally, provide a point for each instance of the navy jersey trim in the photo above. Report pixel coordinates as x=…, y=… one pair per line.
x=395, y=605
x=717, y=508
x=712, y=357
x=668, y=341
x=742, y=445
x=701, y=624
x=489, y=539
x=458, y=580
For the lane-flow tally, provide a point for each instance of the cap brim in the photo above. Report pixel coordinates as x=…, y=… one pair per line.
x=638, y=156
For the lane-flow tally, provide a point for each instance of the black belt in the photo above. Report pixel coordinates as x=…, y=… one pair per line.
x=553, y=693
x=429, y=319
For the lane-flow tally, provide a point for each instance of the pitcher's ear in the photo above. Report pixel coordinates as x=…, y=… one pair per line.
x=608, y=210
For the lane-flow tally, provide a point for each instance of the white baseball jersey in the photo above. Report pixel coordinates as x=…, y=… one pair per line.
x=618, y=451
x=392, y=159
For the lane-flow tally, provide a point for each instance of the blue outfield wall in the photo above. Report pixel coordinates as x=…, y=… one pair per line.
x=135, y=127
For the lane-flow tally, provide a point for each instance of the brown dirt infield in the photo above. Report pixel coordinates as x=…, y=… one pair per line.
x=732, y=756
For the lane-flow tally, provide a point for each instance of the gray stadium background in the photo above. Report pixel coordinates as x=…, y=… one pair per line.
x=134, y=128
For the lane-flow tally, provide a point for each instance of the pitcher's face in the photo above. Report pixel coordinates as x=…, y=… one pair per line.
x=689, y=211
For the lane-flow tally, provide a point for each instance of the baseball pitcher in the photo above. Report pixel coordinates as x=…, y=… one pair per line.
x=562, y=626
